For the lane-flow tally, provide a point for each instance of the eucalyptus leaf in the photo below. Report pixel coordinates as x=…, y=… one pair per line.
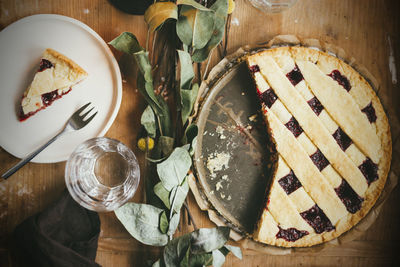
x=163, y=194
x=145, y=80
x=186, y=69
x=184, y=25
x=208, y=239
x=185, y=261
x=148, y=120
x=193, y=146
x=159, y=12
x=196, y=260
x=176, y=250
x=235, y=251
x=190, y=134
x=179, y=193
x=188, y=99
x=224, y=251
x=156, y=264
x=173, y=170
x=173, y=223
x=221, y=13
x=194, y=26
x=165, y=144
x=126, y=42
x=192, y=3
x=163, y=222
x=218, y=258
x=142, y=222
x=203, y=28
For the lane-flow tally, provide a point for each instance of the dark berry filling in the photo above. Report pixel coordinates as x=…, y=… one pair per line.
x=295, y=76
x=45, y=64
x=370, y=170
x=254, y=68
x=294, y=127
x=342, y=139
x=268, y=97
x=350, y=199
x=319, y=160
x=290, y=234
x=315, y=105
x=341, y=79
x=47, y=100
x=317, y=219
x=289, y=183
x=370, y=112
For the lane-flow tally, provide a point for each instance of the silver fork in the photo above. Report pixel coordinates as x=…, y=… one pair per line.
x=75, y=122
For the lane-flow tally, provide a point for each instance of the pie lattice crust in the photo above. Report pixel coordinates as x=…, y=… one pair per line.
x=333, y=142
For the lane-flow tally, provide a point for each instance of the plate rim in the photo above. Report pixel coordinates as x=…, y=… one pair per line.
x=113, y=64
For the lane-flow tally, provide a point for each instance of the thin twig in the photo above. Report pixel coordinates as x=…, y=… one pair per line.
x=199, y=71
x=153, y=46
x=227, y=28
x=190, y=215
x=208, y=64
x=147, y=39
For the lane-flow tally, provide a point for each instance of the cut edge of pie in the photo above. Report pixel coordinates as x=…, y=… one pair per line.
x=316, y=196
x=55, y=77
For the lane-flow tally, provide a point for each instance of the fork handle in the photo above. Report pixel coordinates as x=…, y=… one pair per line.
x=28, y=158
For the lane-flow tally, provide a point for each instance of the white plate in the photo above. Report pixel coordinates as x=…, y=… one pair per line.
x=22, y=44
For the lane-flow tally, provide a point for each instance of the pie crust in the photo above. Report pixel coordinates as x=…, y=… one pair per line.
x=54, y=78
x=333, y=142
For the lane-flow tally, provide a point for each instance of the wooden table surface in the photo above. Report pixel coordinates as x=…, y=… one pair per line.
x=365, y=29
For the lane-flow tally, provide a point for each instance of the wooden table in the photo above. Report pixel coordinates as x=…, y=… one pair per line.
x=363, y=28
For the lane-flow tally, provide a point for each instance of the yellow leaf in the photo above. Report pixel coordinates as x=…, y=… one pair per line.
x=231, y=6
x=159, y=12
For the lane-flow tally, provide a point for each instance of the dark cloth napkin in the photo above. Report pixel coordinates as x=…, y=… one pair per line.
x=65, y=234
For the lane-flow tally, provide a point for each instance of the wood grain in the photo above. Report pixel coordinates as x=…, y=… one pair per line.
x=363, y=28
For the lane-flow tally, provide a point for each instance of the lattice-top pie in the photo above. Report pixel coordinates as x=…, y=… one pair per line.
x=333, y=141
x=54, y=78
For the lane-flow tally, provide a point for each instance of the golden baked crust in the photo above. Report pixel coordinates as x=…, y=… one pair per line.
x=76, y=68
x=273, y=65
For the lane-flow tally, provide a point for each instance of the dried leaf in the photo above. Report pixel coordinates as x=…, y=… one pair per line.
x=221, y=13
x=173, y=170
x=235, y=251
x=162, y=194
x=176, y=250
x=173, y=223
x=190, y=134
x=196, y=260
x=163, y=222
x=205, y=240
x=195, y=27
x=218, y=258
x=192, y=3
x=186, y=69
x=188, y=99
x=126, y=42
x=148, y=120
x=159, y=12
x=178, y=196
x=142, y=222
x=157, y=264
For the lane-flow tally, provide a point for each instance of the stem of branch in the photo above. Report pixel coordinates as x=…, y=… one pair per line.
x=189, y=214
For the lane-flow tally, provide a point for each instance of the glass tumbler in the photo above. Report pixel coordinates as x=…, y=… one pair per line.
x=272, y=6
x=102, y=174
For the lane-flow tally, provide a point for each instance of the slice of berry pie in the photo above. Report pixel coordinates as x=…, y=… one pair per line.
x=54, y=78
x=333, y=142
